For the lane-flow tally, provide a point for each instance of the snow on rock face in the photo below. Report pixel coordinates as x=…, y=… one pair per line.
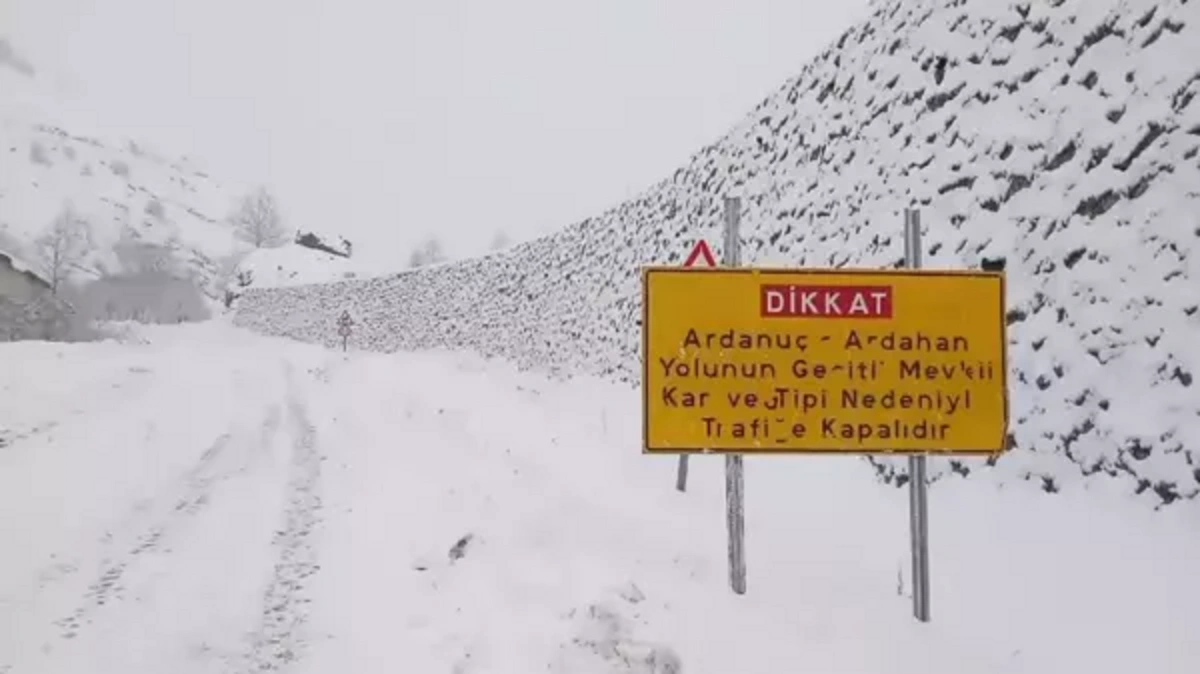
x=1061, y=136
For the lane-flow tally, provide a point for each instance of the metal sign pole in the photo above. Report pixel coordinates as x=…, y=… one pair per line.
x=734, y=482
x=700, y=253
x=918, y=507
x=344, y=328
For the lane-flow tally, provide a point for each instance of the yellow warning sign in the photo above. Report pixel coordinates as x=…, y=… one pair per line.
x=787, y=361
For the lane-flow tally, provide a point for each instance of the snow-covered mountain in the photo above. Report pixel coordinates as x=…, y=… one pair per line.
x=1060, y=135
x=49, y=157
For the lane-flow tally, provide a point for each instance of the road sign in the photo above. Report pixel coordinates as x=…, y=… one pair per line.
x=805, y=361
x=701, y=253
x=345, y=325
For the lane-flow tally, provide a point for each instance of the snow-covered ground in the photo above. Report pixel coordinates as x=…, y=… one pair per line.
x=203, y=499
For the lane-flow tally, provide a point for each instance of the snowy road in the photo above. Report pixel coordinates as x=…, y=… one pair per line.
x=216, y=502
x=136, y=529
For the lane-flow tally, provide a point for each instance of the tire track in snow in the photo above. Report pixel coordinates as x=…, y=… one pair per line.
x=279, y=639
x=107, y=585
x=198, y=482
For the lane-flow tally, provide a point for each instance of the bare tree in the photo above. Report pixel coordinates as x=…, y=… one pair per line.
x=501, y=240
x=136, y=256
x=62, y=246
x=257, y=220
x=231, y=275
x=426, y=254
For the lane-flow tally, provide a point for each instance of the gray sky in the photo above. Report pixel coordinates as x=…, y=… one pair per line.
x=388, y=121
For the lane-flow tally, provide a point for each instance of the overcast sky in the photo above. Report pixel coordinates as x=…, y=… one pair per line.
x=391, y=120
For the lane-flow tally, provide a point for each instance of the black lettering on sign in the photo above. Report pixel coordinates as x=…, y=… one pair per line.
x=712, y=427
x=673, y=397
x=974, y=370
x=698, y=368
x=801, y=400
x=941, y=402
x=743, y=399
x=896, y=429
x=797, y=431
x=855, y=370
x=733, y=339
x=755, y=430
x=919, y=341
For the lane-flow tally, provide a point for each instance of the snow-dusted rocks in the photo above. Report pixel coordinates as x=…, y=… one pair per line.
x=1061, y=136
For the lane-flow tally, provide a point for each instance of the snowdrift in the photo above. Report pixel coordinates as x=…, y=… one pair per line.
x=1061, y=136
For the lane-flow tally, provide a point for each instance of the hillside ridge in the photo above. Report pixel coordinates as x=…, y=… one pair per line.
x=127, y=193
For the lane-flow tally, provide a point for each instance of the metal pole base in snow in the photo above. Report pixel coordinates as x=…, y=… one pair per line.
x=919, y=523
x=736, y=519
x=918, y=507
x=681, y=473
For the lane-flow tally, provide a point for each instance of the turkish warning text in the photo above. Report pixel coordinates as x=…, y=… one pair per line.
x=751, y=361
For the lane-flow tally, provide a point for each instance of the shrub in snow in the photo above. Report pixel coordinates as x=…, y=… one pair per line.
x=1061, y=138
x=45, y=318
x=37, y=154
x=604, y=637
x=154, y=208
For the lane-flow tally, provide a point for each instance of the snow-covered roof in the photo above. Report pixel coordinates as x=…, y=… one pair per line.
x=19, y=266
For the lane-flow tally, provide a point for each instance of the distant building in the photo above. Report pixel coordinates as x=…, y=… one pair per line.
x=18, y=283
x=28, y=308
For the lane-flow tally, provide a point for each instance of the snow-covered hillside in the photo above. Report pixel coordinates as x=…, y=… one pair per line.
x=293, y=264
x=49, y=157
x=1062, y=136
x=436, y=512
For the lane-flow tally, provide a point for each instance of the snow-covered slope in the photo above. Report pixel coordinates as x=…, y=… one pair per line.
x=384, y=513
x=49, y=157
x=293, y=264
x=1060, y=135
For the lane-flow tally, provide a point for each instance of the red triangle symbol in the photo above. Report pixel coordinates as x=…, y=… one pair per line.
x=701, y=250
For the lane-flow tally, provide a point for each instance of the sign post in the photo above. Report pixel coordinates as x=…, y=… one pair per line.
x=804, y=361
x=735, y=513
x=918, y=510
x=700, y=251
x=345, y=325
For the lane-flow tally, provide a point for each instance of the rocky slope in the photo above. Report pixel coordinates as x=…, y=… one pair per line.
x=1060, y=135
